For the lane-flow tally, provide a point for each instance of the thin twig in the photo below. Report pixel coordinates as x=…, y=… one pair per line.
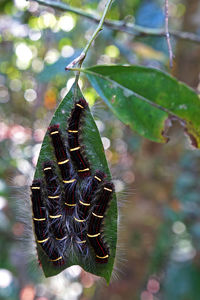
x=99, y=27
x=82, y=56
x=128, y=28
x=75, y=61
x=167, y=34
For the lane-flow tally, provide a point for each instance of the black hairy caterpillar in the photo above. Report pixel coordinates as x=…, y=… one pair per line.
x=95, y=223
x=69, y=194
x=84, y=204
x=54, y=196
x=40, y=220
x=65, y=167
x=80, y=161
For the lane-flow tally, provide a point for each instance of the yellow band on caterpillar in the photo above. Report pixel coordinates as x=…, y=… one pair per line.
x=68, y=204
x=73, y=131
x=98, y=216
x=102, y=257
x=61, y=238
x=42, y=241
x=74, y=149
x=79, y=105
x=48, y=168
x=56, y=259
x=35, y=188
x=93, y=235
x=84, y=170
x=63, y=162
x=41, y=219
x=78, y=220
x=54, y=197
x=54, y=132
x=97, y=178
x=55, y=217
x=84, y=203
x=107, y=189
x=81, y=242
x=69, y=181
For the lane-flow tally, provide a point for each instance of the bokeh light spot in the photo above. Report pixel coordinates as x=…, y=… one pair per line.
x=63, y=92
x=24, y=166
x=106, y=142
x=88, y=279
x=129, y=177
x=66, y=23
x=146, y=296
x=112, y=51
x=23, y=52
x=3, y=202
x=36, y=151
x=35, y=35
x=18, y=134
x=39, y=135
x=37, y=65
x=30, y=95
x=15, y=85
x=74, y=271
x=21, y=4
x=178, y=227
x=70, y=83
x=5, y=278
x=49, y=20
x=27, y=293
x=67, y=51
x=52, y=56
x=100, y=125
x=50, y=99
x=153, y=286
x=76, y=289
x=4, y=95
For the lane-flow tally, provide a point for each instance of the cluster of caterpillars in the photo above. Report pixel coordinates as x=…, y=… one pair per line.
x=68, y=215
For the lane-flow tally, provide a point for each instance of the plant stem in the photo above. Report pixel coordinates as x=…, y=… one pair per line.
x=99, y=27
x=128, y=28
x=167, y=34
x=79, y=60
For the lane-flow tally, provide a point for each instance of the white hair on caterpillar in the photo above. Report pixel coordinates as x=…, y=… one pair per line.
x=26, y=246
x=98, y=109
x=121, y=248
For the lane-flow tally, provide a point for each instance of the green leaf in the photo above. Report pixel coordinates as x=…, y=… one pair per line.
x=96, y=156
x=147, y=100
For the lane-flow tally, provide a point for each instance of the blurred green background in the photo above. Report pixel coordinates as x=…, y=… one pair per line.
x=158, y=185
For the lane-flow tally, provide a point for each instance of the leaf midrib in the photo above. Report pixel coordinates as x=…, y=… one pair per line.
x=144, y=99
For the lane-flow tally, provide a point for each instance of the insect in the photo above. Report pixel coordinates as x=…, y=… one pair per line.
x=69, y=203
